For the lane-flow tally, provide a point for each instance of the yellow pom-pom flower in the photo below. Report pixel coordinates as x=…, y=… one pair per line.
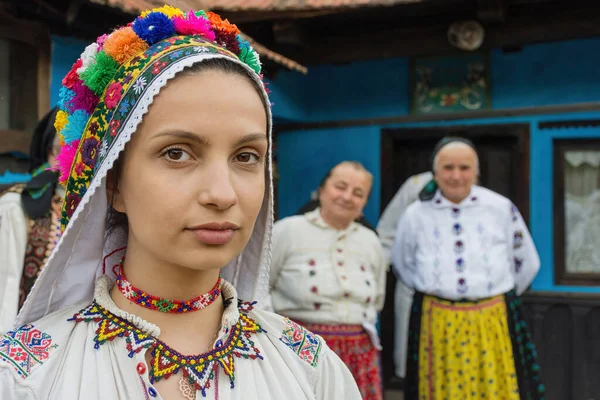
x=169, y=11
x=60, y=121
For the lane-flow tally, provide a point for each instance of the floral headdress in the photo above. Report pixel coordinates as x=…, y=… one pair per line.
x=112, y=74
x=104, y=99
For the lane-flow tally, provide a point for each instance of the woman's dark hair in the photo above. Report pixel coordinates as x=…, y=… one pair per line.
x=118, y=220
x=42, y=140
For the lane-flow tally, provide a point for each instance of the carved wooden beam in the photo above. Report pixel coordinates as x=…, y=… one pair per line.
x=73, y=10
x=491, y=11
x=551, y=25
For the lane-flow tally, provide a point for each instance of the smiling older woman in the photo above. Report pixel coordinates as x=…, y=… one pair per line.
x=328, y=273
x=468, y=254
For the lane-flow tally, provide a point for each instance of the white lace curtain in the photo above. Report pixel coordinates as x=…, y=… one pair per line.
x=582, y=211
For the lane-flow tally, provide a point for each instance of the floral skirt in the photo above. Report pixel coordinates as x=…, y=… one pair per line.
x=466, y=350
x=353, y=345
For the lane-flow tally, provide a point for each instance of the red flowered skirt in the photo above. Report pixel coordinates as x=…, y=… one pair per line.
x=353, y=345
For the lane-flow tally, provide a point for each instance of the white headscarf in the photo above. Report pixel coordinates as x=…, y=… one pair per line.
x=77, y=261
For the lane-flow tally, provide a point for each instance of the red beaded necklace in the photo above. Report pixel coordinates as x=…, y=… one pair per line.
x=165, y=305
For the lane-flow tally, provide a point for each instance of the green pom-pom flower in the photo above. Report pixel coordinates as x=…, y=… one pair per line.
x=100, y=73
x=249, y=56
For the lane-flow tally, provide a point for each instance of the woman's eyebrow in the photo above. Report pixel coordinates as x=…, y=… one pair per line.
x=202, y=140
x=253, y=137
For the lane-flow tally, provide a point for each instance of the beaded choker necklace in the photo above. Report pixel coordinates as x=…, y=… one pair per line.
x=151, y=302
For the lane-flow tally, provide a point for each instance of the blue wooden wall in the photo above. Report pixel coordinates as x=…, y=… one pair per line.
x=544, y=74
x=65, y=51
x=539, y=75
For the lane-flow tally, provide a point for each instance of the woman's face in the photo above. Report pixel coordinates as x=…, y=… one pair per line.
x=193, y=176
x=344, y=194
x=456, y=171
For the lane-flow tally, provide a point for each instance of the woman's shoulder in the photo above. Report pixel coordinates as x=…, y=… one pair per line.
x=300, y=348
x=11, y=199
x=306, y=355
x=366, y=234
x=28, y=352
x=292, y=221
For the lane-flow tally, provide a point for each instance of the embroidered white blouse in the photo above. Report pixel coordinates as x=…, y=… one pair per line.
x=98, y=351
x=476, y=249
x=13, y=240
x=325, y=276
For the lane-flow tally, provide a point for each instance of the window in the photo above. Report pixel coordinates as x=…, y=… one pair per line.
x=24, y=81
x=577, y=211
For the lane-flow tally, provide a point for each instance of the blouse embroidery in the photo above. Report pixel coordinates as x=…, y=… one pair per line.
x=199, y=370
x=304, y=343
x=25, y=348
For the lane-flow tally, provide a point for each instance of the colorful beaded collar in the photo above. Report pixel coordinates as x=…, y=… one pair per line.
x=198, y=370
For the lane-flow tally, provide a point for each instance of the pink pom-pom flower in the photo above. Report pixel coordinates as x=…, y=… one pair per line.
x=64, y=160
x=193, y=25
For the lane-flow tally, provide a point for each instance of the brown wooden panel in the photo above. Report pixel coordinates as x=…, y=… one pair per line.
x=555, y=352
x=14, y=140
x=29, y=79
x=591, y=344
x=24, y=87
x=566, y=331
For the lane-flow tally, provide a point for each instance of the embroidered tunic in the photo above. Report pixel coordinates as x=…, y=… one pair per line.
x=13, y=240
x=25, y=245
x=98, y=352
x=325, y=276
x=473, y=250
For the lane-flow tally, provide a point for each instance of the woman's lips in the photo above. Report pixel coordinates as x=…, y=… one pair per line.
x=215, y=233
x=214, y=237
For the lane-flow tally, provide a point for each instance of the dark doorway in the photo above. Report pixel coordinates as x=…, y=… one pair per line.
x=504, y=166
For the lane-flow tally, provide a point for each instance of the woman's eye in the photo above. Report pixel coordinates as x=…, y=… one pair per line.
x=176, y=155
x=247, y=157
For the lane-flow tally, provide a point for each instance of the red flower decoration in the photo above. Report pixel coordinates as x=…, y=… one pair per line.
x=113, y=95
x=72, y=77
x=72, y=203
x=79, y=167
x=448, y=100
x=114, y=127
x=158, y=66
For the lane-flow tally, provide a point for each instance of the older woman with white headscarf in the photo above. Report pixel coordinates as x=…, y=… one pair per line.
x=468, y=255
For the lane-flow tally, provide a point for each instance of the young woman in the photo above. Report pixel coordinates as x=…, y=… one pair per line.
x=167, y=164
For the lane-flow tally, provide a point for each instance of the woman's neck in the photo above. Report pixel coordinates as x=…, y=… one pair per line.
x=334, y=222
x=159, y=279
